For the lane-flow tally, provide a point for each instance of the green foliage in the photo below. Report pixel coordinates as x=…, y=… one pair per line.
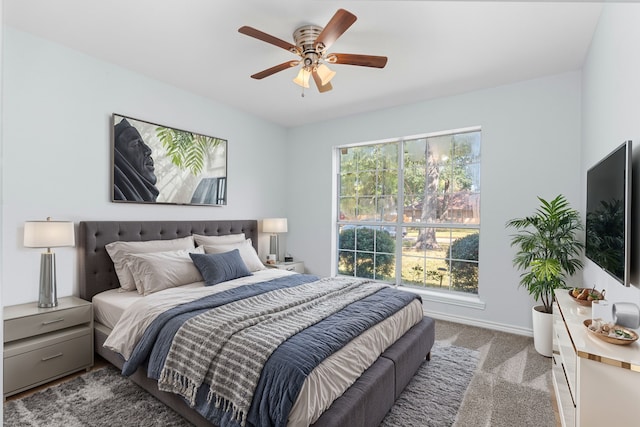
x=548, y=249
x=454, y=173
x=368, y=180
x=370, y=173
x=417, y=271
x=414, y=173
x=359, y=259
x=465, y=274
x=186, y=150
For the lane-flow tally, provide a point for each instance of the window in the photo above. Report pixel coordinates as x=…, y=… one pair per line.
x=409, y=211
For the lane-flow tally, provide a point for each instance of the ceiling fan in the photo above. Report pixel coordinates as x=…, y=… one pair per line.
x=311, y=44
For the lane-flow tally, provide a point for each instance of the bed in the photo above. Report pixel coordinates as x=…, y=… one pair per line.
x=364, y=403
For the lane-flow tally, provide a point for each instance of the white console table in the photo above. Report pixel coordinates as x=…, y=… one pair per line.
x=596, y=383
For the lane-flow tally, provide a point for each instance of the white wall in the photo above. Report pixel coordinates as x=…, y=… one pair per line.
x=611, y=115
x=57, y=107
x=56, y=151
x=530, y=147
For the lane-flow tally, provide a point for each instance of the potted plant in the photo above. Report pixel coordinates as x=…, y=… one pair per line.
x=548, y=252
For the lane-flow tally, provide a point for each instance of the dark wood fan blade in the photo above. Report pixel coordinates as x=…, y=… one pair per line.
x=338, y=24
x=321, y=88
x=361, y=60
x=252, y=32
x=273, y=70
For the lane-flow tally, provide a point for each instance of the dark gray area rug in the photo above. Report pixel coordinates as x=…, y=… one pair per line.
x=105, y=398
x=98, y=398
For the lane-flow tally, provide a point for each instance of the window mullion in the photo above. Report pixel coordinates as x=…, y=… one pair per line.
x=400, y=211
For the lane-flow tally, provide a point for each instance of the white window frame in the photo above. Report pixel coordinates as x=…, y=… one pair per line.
x=429, y=294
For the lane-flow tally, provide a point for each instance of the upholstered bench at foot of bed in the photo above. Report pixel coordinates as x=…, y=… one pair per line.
x=368, y=401
x=408, y=353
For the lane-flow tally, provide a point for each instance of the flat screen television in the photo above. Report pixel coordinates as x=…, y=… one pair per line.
x=608, y=221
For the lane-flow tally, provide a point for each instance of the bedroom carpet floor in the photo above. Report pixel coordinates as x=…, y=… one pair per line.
x=104, y=398
x=511, y=385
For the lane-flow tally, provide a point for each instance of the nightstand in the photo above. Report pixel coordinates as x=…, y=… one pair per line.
x=43, y=344
x=297, y=266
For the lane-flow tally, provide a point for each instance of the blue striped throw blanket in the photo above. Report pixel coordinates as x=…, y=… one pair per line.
x=228, y=346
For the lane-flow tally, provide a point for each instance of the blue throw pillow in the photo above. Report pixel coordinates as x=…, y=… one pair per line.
x=217, y=268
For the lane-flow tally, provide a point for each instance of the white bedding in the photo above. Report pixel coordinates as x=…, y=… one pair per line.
x=129, y=315
x=108, y=306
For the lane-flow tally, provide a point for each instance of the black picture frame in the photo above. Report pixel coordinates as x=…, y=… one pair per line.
x=153, y=163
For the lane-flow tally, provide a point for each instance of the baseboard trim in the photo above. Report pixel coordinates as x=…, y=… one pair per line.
x=480, y=323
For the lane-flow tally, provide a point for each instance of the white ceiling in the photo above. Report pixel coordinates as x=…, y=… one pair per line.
x=435, y=48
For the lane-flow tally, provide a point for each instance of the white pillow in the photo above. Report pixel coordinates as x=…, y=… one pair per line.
x=219, y=240
x=119, y=252
x=247, y=253
x=156, y=271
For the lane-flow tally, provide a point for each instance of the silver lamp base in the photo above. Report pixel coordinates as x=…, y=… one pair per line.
x=274, y=246
x=48, y=296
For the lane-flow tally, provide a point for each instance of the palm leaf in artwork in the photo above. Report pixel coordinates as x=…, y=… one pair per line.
x=186, y=150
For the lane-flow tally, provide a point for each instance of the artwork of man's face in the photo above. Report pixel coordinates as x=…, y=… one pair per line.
x=133, y=148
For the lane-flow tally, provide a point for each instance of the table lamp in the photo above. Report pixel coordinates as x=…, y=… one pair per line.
x=274, y=226
x=48, y=234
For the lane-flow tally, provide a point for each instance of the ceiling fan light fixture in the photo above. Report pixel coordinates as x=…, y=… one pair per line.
x=311, y=46
x=302, y=79
x=325, y=73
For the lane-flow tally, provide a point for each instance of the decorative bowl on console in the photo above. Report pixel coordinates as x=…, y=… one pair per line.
x=584, y=296
x=611, y=333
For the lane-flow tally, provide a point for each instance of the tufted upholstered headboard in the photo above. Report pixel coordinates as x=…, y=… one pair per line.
x=96, y=268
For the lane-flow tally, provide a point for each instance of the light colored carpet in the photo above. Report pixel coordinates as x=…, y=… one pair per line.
x=512, y=384
x=105, y=398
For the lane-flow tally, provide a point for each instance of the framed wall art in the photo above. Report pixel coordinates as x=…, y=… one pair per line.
x=159, y=164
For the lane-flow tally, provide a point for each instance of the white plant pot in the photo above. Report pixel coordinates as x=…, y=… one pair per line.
x=542, y=331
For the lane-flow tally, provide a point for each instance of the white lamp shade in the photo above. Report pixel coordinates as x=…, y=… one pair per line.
x=274, y=225
x=302, y=79
x=48, y=234
x=325, y=74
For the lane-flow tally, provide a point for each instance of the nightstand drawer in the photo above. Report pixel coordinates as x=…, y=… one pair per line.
x=42, y=323
x=27, y=365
